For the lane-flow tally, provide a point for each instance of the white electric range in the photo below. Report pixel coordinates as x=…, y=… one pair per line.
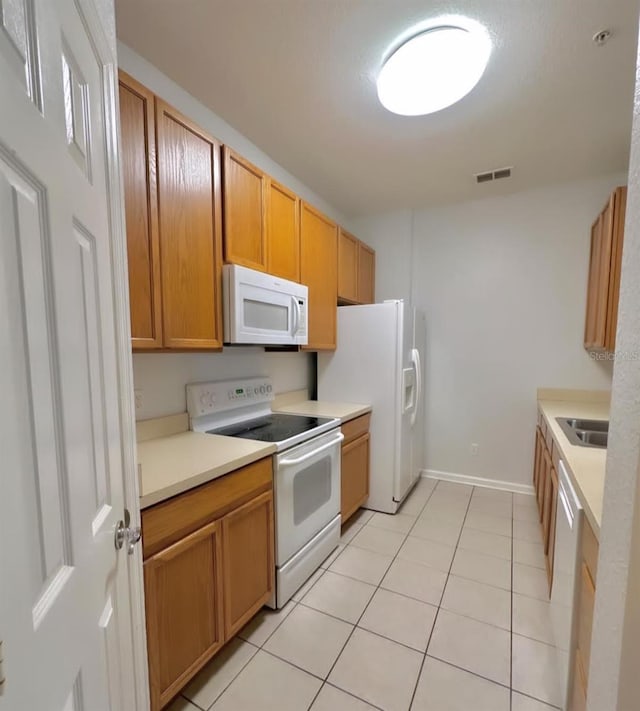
x=306, y=470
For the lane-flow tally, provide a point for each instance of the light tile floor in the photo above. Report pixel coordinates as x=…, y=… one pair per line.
x=442, y=607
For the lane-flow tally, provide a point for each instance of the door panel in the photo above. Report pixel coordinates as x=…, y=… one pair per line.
x=183, y=587
x=138, y=140
x=249, y=565
x=318, y=260
x=283, y=232
x=347, y=267
x=366, y=274
x=190, y=232
x=354, y=484
x=67, y=601
x=245, y=213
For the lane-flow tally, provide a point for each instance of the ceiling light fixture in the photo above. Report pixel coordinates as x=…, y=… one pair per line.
x=434, y=68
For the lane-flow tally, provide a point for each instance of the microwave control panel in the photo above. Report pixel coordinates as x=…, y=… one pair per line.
x=222, y=396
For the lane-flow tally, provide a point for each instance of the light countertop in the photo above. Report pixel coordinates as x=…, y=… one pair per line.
x=585, y=465
x=344, y=411
x=174, y=462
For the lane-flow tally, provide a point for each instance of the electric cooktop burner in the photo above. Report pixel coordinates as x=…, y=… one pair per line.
x=272, y=428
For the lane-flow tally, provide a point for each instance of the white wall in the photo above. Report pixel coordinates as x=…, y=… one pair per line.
x=162, y=377
x=503, y=284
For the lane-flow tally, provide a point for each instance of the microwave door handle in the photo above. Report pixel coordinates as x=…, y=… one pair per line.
x=309, y=455
x=296, y=311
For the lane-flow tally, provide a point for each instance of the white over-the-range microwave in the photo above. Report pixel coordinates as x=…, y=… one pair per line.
x=261, y=309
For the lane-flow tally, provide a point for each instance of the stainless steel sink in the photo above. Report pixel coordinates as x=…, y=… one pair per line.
x=591, y=425
x=585, y=433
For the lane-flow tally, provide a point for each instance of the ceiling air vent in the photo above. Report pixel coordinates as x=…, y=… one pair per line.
x=497, y=174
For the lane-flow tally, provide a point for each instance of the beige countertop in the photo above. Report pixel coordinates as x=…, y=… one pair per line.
x=585, y=465
x=177, y=460
x=344, y=411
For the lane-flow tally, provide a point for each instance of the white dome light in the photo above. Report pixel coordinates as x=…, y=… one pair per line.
x=433, y=69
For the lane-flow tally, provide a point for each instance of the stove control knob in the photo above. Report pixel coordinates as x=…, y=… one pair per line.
x=262, y=390
x=269, y=388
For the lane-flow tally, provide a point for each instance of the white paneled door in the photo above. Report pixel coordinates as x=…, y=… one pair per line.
x=65, y=609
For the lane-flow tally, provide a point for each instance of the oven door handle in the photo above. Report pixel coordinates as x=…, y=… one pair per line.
x=310, y=455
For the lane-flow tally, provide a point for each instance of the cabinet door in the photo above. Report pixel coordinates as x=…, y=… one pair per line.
x=283, y=232
x=138, y=156
x=245, y=214
x=249, y=562
x=366, y=274
x=617, y=240
x=354, y=487
x=183, y=598
x=318, y=262
x=190, y=232
x=543, y=473
x=552, y=526
x=590, y=327
x=537, y=459
x=347, y=267
x=546, y=502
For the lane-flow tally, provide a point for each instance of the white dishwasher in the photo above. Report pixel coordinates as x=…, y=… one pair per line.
x=566, y=568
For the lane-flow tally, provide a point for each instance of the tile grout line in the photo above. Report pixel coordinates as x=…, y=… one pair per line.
x=244, y=641
x=377, y=587
x=435, y=619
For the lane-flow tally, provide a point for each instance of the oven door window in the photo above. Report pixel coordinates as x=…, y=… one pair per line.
x=311, y=489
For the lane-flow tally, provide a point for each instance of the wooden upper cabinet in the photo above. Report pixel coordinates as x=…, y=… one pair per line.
x=318, y=262
x=190, y=231
x=605, y=262
x=138, y=140
x=366, y=274
x=283, y=232
x=348, y=247
x=245, y=214
x=184, y=609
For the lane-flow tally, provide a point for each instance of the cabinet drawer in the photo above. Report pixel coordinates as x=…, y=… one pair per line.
x=356, y=428
x=585, y=618
x=590, y=549
x=174, y=519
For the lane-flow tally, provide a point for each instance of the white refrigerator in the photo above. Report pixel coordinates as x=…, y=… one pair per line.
x=380, y=361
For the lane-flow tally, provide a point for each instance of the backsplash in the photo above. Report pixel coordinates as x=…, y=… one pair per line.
x=160, y=378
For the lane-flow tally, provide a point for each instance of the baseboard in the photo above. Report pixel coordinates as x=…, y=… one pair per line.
x=479, y=481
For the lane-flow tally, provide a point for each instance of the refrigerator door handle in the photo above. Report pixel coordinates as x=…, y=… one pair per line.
x=415, y=360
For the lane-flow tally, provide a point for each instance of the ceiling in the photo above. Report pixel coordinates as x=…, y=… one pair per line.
x=297, y=77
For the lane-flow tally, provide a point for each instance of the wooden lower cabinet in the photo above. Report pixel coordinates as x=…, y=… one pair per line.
x=248, y=562
x=209, y=567
x=584, y=613
x=183, y=593
x=545, y=482
x=354, y=487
